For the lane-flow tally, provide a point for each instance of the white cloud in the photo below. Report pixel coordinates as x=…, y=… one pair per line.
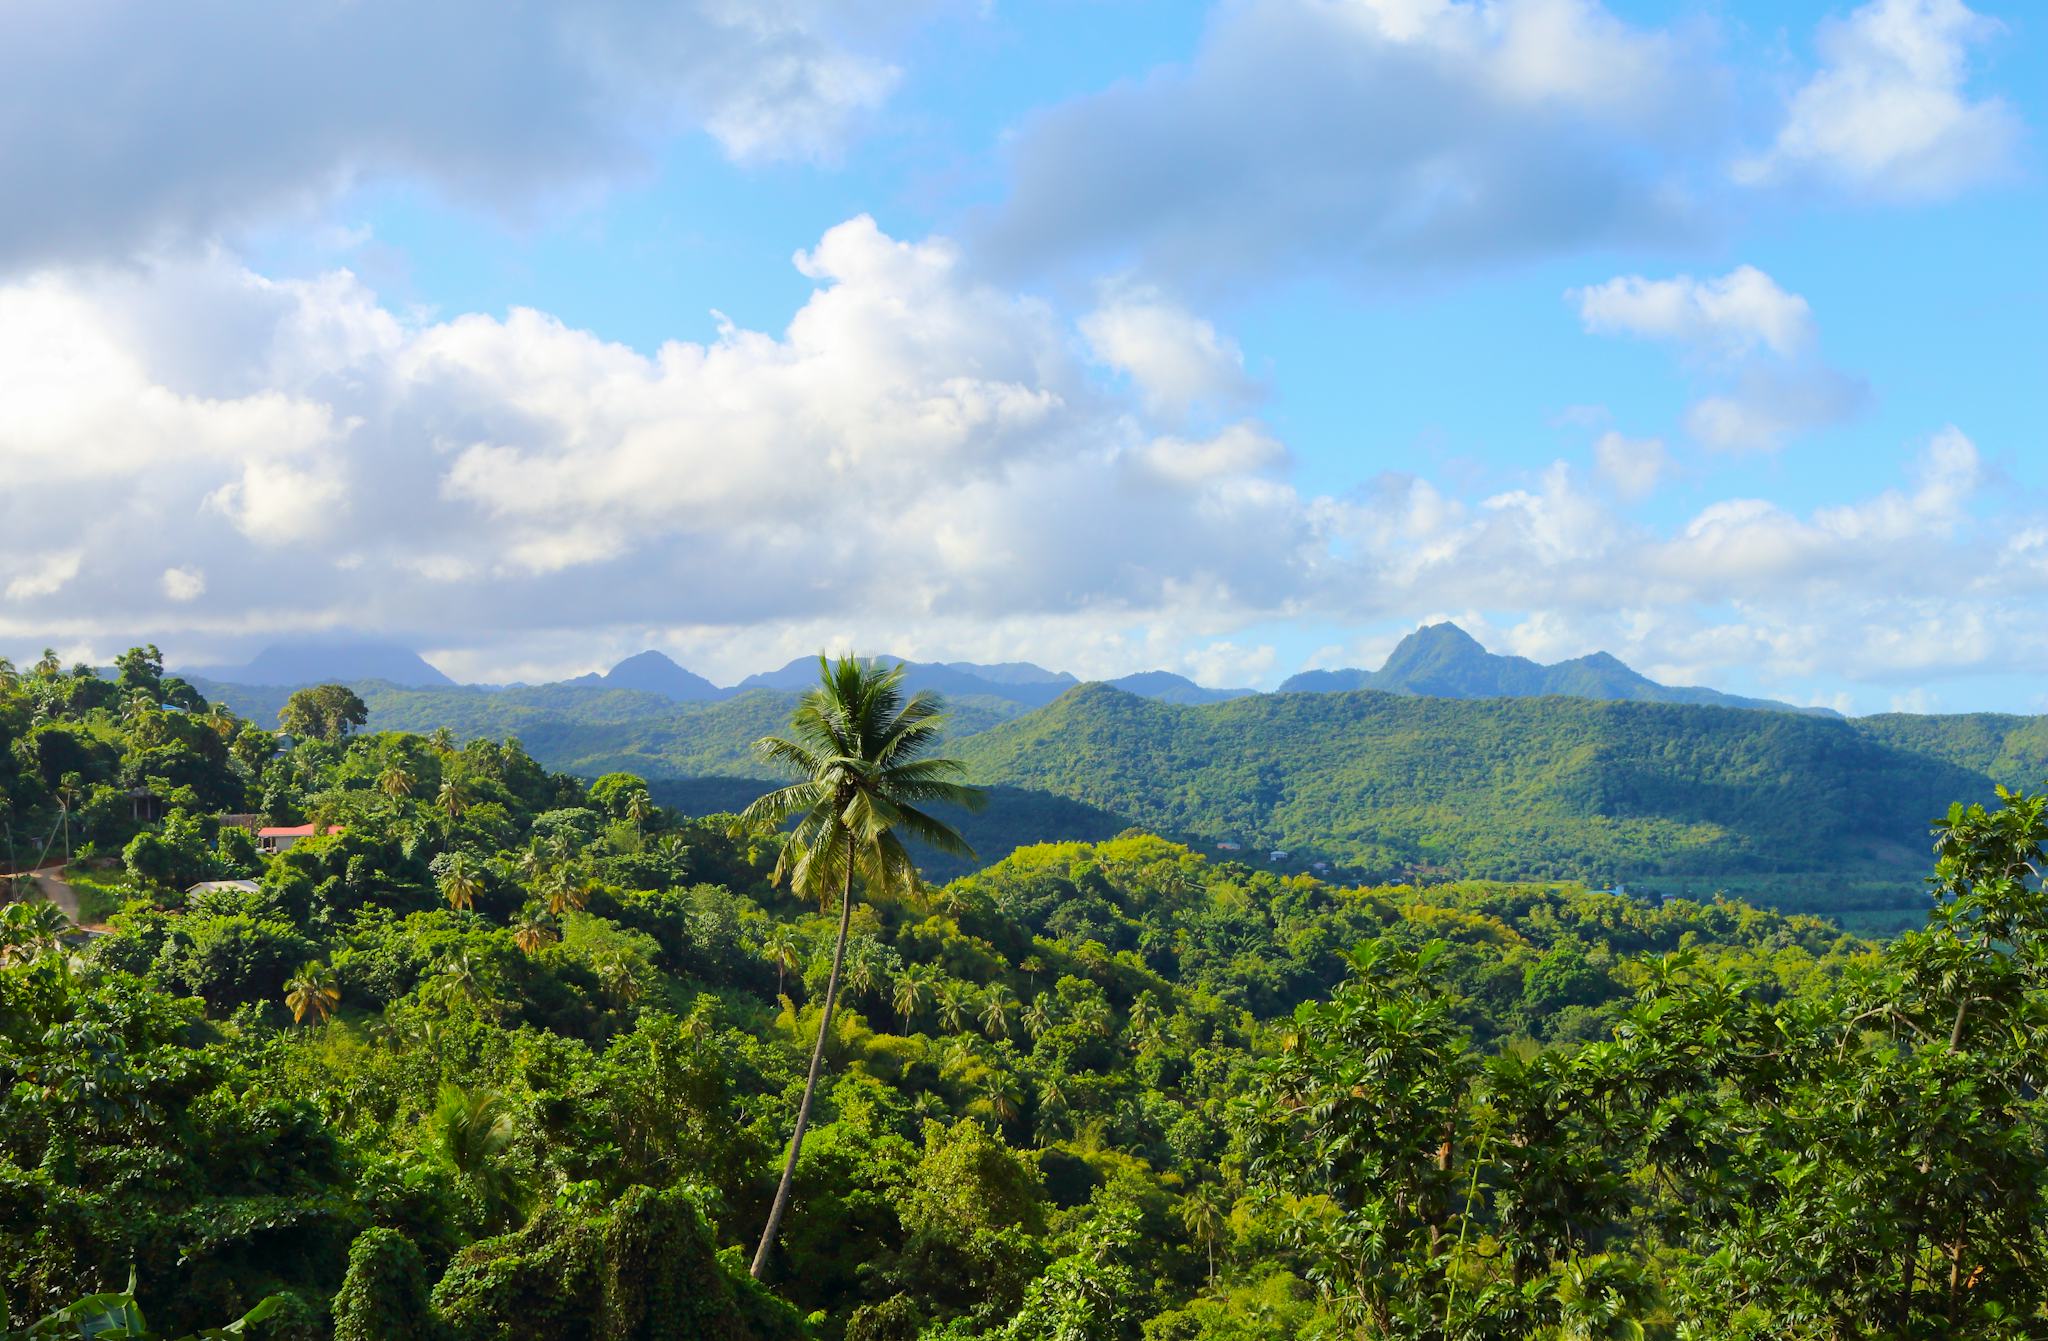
x=1733, y=315
x=1177, y=360
x=44, y=576
x=141, y=125
x=184, y=584
x=1633, y=467
x=1742, y=330
x=1887, y=114
x=918, y=461
x=1373, y=138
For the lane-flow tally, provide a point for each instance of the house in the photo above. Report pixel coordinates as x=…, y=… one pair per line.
x=277, y=839
x=144, y=805
x=1227, y=846
x=213, y=886
x=1278, y=854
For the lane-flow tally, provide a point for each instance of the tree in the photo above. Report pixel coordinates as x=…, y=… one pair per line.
x=453, y=799
x=323, y=712
x=863, y=753
x=141, y=668
x=996, y=1006
x=533, y=934
x=1206, y=1214
x=28, y=929
x=913, y=989
x=640, y=809
x=313, y=991
x=461, y=883
x=395, y=782
x=782, y=949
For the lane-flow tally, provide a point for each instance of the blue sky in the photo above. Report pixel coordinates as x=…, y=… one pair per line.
x=1230, y=339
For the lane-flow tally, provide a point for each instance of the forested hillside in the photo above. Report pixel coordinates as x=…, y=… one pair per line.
x=1812, y=813
x=590, y=729
x=1385, y=785
x=515, y=1054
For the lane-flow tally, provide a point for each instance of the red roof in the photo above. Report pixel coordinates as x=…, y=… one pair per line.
x=294, y=831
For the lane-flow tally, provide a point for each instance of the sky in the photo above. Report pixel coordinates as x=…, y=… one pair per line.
x=1229, y=339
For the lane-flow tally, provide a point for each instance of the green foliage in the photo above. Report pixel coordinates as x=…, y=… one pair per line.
x=385, y=1292
x=643, y=1271
x=511, y=1056
x=325, y=712
x=1385, y=784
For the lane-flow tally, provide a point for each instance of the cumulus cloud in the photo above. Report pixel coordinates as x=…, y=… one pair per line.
x=184, y=584
x=919, y=460
x=1741, y=331
x=1888, y=113
x=1177, y=360
x=1376, y=136
x=1633, y=467
x=1734, y=314
x=180, y=122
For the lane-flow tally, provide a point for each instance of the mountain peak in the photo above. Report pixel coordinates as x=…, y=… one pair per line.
x=653, y=672
x=304, y=661
x=1444, y=661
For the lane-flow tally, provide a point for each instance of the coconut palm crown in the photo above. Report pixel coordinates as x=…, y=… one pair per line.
x=863, y=753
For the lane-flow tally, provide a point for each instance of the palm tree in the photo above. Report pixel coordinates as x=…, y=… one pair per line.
x=534, y=934
x=639, y=809
x=473, y=1132
x=913, y=988
x=782, y=949
x=68, y=794
x=313, y=991
x=1037, y=1019
x=995, y=1010
x=563, y=890
x=954, y=1006
x=460, y=883
x=860, y=749
x=998, y=1097
x=453, y=799
x=28, y=929
x=396, y=783
x=1205, y=1212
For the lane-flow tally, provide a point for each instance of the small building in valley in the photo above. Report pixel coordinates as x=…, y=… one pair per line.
x=278, y=838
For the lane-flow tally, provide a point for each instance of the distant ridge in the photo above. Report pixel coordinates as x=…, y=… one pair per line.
x=325, y=661
x=1014, y=681
x=653, y=673
x=1444, y=661
x=1170, y=688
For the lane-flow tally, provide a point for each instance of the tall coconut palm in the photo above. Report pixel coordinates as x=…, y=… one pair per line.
x=913, y=989
x=862, y=751
x=782, y=949
x=312, y=991
x=534, y=934
x=461, y=883
x=996, y=1007
x=639, y=809
x=396, y=782
x=1205, y=1212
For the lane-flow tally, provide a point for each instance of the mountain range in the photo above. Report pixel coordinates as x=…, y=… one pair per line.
x=1444, y=661
x=1438, y=661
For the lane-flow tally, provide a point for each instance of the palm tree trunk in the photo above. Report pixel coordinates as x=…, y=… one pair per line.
x=803, y=1111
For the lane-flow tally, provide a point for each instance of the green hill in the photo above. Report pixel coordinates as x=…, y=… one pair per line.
x=588, y=730
x=1801, y=811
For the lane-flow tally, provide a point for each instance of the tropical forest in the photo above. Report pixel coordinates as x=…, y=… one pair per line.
x=314, y=1031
